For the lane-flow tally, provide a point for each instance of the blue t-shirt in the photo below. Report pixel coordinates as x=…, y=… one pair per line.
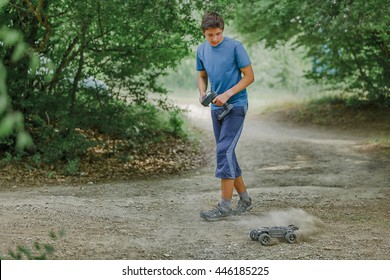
x=222, y=64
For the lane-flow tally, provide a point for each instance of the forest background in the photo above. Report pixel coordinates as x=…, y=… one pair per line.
x=87, y=86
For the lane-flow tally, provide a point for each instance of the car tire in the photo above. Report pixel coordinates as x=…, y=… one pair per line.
x=254, y=235
x=291, y=237
x=264, y=238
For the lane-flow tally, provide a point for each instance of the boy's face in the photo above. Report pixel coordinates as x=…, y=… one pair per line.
x=214, y=36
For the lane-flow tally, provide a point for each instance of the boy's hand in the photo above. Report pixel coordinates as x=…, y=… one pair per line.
x=221, y=99
x=201, y=97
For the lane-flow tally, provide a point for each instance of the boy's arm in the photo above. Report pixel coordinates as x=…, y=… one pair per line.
x=202, y=84
x=247, y=79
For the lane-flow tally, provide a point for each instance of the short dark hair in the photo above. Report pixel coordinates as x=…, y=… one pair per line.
x=212, y=20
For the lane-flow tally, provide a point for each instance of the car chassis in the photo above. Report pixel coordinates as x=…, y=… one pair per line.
x=264, y=234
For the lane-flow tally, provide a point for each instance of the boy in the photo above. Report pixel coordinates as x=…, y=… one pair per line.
x=225, y=63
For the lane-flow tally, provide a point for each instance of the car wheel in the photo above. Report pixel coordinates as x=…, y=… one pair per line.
x=264, y=238
x=254, y=235
x=291, y=237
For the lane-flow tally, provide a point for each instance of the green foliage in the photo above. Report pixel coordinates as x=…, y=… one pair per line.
x=7, y=158
x=176, y=124
x=183, y=75
x=126, y=44
x=72, y=167
x=149, y=123
x=57, y=142
x=12, y=49
x=128, y=126
x=348, y=41
x=39, y=251
x=50, y=51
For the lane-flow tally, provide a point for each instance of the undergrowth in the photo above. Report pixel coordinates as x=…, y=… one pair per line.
x=38, y=251
x=341, y=112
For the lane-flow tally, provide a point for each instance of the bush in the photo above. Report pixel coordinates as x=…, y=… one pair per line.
x=57, y=142
x=109, y=123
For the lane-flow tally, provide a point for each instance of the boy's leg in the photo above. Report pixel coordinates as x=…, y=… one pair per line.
x=227, y=133
x=239, y=185
x=245, y=202
x=227, y=187
x=224, y=207
x=241, y=189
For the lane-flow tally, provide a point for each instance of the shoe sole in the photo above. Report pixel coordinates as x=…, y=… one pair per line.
x=250, y=207
x=214, y=219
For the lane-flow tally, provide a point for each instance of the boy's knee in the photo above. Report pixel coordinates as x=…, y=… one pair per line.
x=222, y=150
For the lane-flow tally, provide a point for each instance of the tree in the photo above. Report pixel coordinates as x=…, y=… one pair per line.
x=128, y=44
x=347, y=40
x=68, y=43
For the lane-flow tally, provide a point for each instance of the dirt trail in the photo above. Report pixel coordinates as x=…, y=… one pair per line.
x=317, y=179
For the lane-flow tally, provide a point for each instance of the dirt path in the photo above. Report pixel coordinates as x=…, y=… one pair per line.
x=315, y=178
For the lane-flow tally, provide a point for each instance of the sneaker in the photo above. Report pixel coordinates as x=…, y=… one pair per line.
x=215, y=214
x=242, y=207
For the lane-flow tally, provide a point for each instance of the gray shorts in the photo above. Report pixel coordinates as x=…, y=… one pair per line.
x=227, y=133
